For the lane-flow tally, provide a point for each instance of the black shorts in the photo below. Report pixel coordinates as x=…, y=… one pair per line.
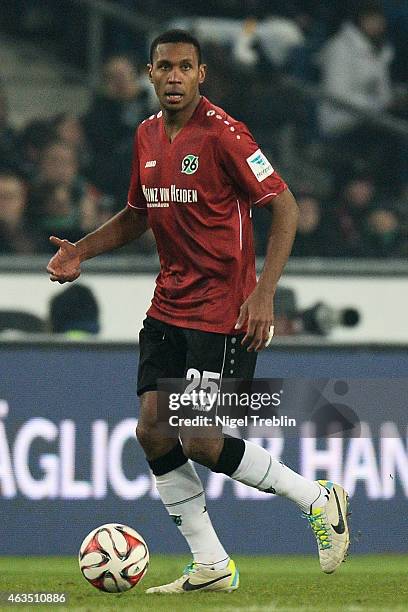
x=167, y=351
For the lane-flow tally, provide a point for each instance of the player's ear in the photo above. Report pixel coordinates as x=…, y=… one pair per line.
x=149, y=72
x=202, y=71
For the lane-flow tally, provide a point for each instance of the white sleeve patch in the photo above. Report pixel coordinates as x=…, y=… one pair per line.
x=260, y=165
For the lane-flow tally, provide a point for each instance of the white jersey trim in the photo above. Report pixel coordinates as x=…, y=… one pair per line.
x=268, y=195
x=137, y=207
x=240, y=226
x=222, y=371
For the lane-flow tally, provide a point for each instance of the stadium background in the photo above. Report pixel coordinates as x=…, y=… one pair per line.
x=67, y=406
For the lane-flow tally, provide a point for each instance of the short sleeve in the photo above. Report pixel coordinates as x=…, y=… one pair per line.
x=136, y=198
x=250, y=170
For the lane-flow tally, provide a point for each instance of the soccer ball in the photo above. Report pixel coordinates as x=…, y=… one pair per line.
x=113, y=558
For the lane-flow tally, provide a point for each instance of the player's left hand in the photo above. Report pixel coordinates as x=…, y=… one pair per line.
x=258, y=311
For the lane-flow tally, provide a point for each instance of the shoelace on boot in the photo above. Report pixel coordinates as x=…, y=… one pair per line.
x=320, y=529
x=190, y=568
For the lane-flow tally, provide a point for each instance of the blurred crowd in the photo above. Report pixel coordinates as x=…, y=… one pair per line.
x=68, y=174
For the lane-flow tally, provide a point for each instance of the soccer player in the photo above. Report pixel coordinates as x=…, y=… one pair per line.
x=196, y=174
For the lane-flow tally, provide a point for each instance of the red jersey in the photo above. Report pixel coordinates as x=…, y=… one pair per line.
x=198, y=192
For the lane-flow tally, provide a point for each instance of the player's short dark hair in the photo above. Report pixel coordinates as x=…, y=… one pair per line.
x=176, y=36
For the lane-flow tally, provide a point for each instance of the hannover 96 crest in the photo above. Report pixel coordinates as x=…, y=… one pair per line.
x=189, y=164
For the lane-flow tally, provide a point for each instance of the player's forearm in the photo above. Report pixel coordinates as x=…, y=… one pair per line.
x=124, y=227
x=281, y=236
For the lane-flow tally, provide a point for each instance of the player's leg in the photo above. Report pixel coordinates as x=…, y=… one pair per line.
x=324, y=503
x=254, y=466
x=179, y=487
x=182, y=494
x=162, y=356
x=213, y=357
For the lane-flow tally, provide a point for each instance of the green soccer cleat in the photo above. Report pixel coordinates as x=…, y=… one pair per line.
x=329, y=525
x=199, y=578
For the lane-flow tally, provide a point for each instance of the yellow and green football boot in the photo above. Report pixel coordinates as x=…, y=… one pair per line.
x=330, y=526
x=198, y=578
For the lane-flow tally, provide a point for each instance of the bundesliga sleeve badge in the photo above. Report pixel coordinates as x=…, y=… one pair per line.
x=260, y=165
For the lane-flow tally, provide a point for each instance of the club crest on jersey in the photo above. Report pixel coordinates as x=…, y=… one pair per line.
x=189, y=164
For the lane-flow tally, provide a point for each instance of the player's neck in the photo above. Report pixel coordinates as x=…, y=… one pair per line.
x=174, y=121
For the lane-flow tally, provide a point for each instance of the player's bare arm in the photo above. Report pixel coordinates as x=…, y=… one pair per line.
x=126, y=226
x=258, y=307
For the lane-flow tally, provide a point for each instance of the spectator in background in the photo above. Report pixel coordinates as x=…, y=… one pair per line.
x=121, y=38
x=272, y=38
x=35, y=136
x=115, y=112
x=74, y=312
x=278, y=37
x=68, y=129
x=227, y=76
x=356, y=69
x=58, y=161
x=59, y=164
x=14, y=237
x=8, y=138
x=397, y=15
x=354, y=205
x=54, y=210
x=383, y=234
x=312, y=237
x=260, y=52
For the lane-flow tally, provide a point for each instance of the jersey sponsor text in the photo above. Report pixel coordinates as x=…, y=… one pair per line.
x=164, y=195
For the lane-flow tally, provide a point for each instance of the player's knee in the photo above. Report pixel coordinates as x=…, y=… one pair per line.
x=194, y=451
x=153, y=444
x=145, y=436
x=205, y=452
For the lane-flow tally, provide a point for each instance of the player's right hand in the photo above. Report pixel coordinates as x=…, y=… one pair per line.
x=65, y=265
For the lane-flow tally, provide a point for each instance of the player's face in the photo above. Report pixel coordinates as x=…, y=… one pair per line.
x=176, y=75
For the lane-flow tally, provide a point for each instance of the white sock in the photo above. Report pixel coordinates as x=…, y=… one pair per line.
x=260, y=470
x=182, y=493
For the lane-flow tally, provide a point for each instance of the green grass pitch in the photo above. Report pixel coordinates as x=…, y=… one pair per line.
x=364, y=583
